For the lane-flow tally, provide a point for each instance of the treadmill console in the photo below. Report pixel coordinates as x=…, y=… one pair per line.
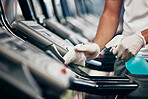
x=35, y=31
x=53, y=73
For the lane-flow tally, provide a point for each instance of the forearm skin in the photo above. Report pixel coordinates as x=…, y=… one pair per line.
x=108, y=23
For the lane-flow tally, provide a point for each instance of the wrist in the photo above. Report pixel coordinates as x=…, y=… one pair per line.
x=97, y=46
x=145, y=34
x=98, y=49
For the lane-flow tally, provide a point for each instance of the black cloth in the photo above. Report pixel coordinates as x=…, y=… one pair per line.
x=119, y=68
x=142, y=91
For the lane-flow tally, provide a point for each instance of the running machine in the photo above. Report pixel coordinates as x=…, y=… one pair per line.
x=55, y=80
x=94, y=86
x=90, y=7
x=72, y=6
x=60, y=16
x=30, y=72
x=42, y=38
x=81, y=9
x=46, y=41
x=13, y=79
x=101, y=87
x=70, y=14
x=44, y=8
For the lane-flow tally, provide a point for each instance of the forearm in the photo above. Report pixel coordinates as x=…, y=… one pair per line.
x=145, y=34
x=108, y=22
x=106, y=30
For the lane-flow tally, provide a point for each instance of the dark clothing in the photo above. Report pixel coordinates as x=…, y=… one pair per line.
x=142, y=80
x=119, y=68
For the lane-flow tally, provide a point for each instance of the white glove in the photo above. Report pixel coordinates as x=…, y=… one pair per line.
x=75, y=57
x=82, y=53
x=91, y=50
x=129, y=46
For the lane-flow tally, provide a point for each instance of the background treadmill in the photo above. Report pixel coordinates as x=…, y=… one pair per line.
x=43, y=10
x=81, y=10
x=70, y=14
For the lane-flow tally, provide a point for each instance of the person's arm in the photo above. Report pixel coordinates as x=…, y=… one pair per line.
x=145, y=34
x=108, y=22
x=106, y=30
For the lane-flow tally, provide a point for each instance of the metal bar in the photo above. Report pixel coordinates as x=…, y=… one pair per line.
x=26, y=9
x=104, y=88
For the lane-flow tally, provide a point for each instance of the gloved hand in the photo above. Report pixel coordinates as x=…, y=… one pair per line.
x=81, y=53
x=75, y=57
x=129, y=46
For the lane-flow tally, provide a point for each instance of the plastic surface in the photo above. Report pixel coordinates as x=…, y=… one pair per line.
x=137, y=65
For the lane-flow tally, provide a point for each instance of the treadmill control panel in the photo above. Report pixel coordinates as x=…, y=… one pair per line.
x=47, y=34
x=55, y=74
x=37, y=33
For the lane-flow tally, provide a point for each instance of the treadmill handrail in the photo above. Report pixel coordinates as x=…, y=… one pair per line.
x=3, y=18
x=103, y=88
